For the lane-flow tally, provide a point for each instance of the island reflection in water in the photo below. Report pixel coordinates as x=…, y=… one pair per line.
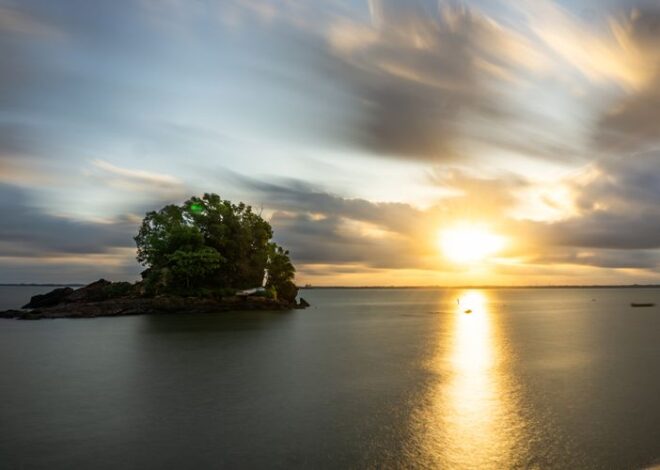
x=469, y=416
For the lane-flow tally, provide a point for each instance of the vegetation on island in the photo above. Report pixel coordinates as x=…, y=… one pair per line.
x=210, y=246
x=199, y=256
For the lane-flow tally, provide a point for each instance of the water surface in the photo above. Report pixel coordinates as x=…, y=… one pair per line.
x=532, y=378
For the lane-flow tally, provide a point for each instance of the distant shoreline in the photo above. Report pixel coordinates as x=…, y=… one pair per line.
x=596, y=286
x=36, y=284
x=586, y=286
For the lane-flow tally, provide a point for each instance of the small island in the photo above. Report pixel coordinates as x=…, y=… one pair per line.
x=207, y=255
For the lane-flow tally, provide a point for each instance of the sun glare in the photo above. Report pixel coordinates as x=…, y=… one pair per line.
x=469, y=243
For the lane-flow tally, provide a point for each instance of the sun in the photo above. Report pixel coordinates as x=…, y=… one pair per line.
x=469, y=243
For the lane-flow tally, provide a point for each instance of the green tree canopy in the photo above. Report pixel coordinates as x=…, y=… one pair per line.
x=208, y=242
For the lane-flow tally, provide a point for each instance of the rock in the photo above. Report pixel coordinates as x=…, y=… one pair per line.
x=163, y=304
x=52, y=298
x=91, y=292
x=303, y=303
x=11, y=314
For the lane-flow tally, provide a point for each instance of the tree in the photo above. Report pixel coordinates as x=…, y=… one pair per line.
x=191, y=268
x=237, y=233
x=280, y=273
x=279, y=269
x=210, y=243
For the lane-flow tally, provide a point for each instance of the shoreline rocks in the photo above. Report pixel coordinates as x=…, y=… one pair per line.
x=49, y=299
x=89, y=302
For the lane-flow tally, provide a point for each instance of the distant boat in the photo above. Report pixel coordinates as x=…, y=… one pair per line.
x=642, y=304
x=469, y=310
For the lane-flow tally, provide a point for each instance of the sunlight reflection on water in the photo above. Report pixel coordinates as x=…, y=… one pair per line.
x=469, y=417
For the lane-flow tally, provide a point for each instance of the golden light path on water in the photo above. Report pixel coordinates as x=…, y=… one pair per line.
x=469, y=418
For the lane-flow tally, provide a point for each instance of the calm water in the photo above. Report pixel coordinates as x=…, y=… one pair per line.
x=365, y=378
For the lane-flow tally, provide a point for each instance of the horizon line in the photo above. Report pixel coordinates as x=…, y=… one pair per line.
x=486, y=286
x=391, y=286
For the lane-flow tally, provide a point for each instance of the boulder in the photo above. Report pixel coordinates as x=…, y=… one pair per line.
x=303, y=303
x=52, y=298
x=91, y=292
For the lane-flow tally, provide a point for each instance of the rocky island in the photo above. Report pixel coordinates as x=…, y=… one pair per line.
x=205, y=256
x=109, y=299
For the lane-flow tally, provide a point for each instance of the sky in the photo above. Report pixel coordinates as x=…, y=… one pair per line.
x=362, y=130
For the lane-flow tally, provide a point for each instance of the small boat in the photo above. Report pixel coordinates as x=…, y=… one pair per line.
x=642, y=304
x=469, y=310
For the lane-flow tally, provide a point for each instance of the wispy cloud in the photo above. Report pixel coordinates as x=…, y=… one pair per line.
x=612, y=53
x=419, y=75
x=136, y=179
x=16, y=21
x=532, y=115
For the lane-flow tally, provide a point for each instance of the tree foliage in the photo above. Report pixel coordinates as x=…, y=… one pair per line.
x=280, y=268
x=208, y=242
x=280, y=273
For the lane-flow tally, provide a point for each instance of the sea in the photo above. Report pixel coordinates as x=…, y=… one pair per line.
x=528, y=378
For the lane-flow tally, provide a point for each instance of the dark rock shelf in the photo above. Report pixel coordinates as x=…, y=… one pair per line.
x=88, y=302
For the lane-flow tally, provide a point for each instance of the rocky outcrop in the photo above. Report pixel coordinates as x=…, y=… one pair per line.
x=143, y=306
x=303, y=303
x=105, y=299
x=50, y=299
x=91, y=292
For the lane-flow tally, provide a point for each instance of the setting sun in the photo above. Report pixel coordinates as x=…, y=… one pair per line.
x=469, y=243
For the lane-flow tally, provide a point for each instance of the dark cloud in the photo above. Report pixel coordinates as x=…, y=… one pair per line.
x=420, y=72
x=618, y=207
x=17, y=29
x=324, y=228
x=631, y=123
x=601, y=258
x=67, y=269
x=423, y=83
x=338, y=241
x=296, y=196
x=618, y=225
x=29, y=231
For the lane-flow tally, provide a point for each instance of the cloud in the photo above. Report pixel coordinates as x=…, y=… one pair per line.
x=15, y=21
x=440, y=84
x=421, y=73
x=616, y=223
x=600, y=258
x=630, y=123
x=116, y=265
x=137, y=179
x=478, y=193
x=324, y=228
x=29, y=232
x=611, y=54
x=296, y=196
x=618, y=206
